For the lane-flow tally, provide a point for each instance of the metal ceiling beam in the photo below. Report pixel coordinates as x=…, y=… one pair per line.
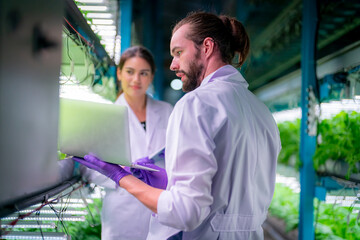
x=274, y=29
x=266, y=45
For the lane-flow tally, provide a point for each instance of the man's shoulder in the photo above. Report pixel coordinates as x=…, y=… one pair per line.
x=213, y=91
x=200, y=98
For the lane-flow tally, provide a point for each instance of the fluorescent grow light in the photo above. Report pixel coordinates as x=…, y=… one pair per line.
x=94, y=8
x=27, y=224
x=49, y=217
x=111, y=33
x=328, y=110
x=68, y=212
x=287, y=115
x=36, y=235
x=103, y=27
x=99, y=15
x=90, y=1
x=103, y=21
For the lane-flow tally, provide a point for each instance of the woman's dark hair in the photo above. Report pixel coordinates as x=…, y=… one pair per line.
x=228, y=34
x=137, y=51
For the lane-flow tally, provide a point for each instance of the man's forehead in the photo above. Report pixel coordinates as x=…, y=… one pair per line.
x=179, y=36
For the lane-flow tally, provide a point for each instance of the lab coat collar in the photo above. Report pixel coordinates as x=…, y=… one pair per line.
x=153, y=115
x=121, y=100
x=150, y=102
x=226, y=72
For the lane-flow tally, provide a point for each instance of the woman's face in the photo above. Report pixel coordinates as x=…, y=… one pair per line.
x=135, y=76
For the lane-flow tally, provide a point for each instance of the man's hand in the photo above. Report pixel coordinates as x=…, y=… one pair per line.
x=155, y=179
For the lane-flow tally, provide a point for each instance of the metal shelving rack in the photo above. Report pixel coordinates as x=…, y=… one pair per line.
x=312, y=185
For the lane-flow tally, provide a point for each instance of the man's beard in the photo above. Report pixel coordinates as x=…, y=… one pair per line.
x=193, y=75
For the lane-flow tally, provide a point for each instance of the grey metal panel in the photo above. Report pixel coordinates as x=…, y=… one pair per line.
x=30, y=60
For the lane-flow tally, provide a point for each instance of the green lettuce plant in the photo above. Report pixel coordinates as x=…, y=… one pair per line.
x=332, y=221
x=290, y=142
x=339, y=140
x=91, y=228
x=285, y=205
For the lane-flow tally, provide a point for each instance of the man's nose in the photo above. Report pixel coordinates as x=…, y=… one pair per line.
x=174, y=65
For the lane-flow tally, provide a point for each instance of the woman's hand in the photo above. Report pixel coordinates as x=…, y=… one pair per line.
x=112, y=171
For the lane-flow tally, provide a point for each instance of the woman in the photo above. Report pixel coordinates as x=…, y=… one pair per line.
x=123, y=216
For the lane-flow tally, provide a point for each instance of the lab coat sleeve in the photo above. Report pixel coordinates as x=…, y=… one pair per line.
x=190, y=164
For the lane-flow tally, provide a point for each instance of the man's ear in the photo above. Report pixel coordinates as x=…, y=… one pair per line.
x=118, y=74
x=208, y=46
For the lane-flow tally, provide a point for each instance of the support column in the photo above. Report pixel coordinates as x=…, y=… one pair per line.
x=125, y=13
x=159, y=51
x=308, y=135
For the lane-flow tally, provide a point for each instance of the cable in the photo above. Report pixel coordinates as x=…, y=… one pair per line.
x=89, y=44
x=93, y=224
x=45, y=202
x=76, y=38
x=59, y=218
x=20, y=217
x=38, y=222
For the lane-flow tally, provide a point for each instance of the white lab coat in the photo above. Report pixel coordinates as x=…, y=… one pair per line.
x=222, y=145
x=123, y=216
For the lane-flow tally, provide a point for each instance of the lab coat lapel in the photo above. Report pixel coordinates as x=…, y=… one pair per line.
x=137, y=132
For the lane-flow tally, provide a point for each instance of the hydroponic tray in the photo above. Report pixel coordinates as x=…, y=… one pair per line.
x=339, y=169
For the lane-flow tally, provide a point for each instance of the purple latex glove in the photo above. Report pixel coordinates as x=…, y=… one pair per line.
x=112, y=171
x=152, y=178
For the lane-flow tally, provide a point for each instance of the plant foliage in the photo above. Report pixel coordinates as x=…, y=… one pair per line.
x=290, y=142
x=91, y=228
x=285, y=205
x=333, y=221
x=339, y=140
